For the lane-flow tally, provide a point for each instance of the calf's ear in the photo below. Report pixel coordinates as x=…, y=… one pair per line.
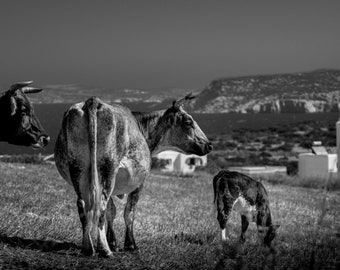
x=275, y=226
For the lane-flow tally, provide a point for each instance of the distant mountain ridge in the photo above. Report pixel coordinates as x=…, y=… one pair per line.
x=316, y=91
x=306, y=92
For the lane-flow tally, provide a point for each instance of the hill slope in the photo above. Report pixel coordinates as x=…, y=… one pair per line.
x=316, y=91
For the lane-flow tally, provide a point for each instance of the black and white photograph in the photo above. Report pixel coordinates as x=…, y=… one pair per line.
x=154, y=135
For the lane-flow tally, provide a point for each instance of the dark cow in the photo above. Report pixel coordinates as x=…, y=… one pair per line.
x=105, y=151
x=239, y=192
x=19, y=124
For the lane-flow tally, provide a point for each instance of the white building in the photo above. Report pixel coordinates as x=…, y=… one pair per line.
x=257, y=171
x=320, y=164
x=181, y=163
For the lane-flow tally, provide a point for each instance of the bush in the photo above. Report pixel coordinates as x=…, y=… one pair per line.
x=317, y=183
x=158, y=164
x=24, y=158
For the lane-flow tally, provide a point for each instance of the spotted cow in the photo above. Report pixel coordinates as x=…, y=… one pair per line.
x=105, y=151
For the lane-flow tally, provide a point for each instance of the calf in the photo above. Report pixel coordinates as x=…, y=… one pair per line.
x=105, y=151
x=239, y=192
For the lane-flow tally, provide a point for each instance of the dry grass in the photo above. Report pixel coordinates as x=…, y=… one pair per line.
x=175, y=226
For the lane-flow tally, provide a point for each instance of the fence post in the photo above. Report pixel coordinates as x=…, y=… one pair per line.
x=338, y=146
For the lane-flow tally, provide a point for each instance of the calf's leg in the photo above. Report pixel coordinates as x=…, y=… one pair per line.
x=224, y=207
x=245, y=224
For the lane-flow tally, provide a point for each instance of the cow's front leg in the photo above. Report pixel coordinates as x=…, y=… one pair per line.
x=129, y=215
x=110, y=216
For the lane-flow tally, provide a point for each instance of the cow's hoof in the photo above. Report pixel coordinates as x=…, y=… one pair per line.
x=87, y=252
x=106, y=254
x=131, y=248
x=114, y=248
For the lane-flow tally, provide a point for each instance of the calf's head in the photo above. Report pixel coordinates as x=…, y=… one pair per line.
x=267, y=234
x=20, y=125
x=181, y=132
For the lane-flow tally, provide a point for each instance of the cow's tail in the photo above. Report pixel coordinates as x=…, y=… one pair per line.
x=94, y=195
x=215, y=184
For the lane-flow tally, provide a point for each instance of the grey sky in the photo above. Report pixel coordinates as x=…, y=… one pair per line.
x=153, y=44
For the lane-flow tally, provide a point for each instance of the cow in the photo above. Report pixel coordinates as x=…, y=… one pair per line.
x=19, y=124
x=105, y=151
x=241, y=193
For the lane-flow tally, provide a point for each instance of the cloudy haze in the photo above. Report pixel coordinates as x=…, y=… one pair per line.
x=160, y=44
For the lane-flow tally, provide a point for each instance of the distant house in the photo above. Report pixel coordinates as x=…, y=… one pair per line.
x=318, y=164
x=181, y=163
x=257, y=171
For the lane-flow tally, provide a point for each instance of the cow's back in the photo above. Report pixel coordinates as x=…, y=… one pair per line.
x=117, y=132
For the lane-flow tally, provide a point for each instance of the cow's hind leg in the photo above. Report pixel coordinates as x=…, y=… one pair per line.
x=87, y=248
x=129, y=215
x=103, y=246
x=110, y=234
x=76, y=170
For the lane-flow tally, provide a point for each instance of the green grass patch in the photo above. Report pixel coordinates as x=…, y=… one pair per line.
x=175, y=226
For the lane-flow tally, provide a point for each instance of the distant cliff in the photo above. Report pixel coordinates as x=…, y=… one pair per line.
x=317, y=91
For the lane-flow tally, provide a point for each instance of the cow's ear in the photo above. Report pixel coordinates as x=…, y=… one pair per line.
x=171, y=120
x=180, y=102
x=13, y=106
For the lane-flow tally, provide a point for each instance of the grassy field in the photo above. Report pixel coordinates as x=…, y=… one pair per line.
x=175, y=226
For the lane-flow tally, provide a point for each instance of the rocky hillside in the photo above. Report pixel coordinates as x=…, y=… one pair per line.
x=317, y=91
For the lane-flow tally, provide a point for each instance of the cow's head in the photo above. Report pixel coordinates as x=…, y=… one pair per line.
x=20, y=126
x=181, y=132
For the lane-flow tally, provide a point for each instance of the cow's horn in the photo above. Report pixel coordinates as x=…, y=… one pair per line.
x=19, y=85
x=31, y=90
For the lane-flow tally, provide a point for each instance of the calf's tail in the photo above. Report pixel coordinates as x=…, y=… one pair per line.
x=215, y=183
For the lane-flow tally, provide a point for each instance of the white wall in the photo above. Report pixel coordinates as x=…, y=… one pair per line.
x=317, y=166
x=338, y=144
x=178, y=161
x=168, y=155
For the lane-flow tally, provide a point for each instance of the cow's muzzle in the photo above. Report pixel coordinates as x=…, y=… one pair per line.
x=42, y=142
x=203, y=149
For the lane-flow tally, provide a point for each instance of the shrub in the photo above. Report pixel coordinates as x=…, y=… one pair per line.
x=24, y=158
x=157, y=163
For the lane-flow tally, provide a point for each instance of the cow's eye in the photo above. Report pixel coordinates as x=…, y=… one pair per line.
x=189, y=123
x=24, y=111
